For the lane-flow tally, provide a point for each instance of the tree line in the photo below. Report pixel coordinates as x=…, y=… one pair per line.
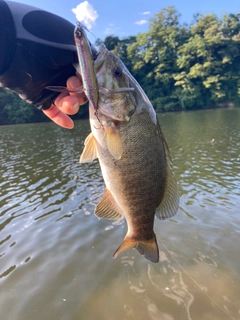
x=180, y=66
x=13, y=110
x=185, y=66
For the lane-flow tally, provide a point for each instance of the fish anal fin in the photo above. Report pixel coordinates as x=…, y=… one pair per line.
x=107, y=208
x=114, y=143
x=90, y=151
x=147, y=248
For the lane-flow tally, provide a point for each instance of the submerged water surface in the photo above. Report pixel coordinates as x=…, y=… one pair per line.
x=56, y=256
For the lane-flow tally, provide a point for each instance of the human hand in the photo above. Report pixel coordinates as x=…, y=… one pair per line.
x=66, y=103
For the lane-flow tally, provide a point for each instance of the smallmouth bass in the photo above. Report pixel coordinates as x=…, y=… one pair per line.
x=133, y=154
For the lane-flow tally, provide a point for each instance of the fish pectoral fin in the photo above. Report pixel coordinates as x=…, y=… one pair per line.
x=90, y=150
x=114, y=143
x=169, y=204
x=147, y=248
x=107, y=208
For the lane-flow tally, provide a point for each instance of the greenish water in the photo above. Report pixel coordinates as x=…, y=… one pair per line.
x=55, y=255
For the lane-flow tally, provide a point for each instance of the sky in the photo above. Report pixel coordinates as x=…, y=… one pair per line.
x=124, y=18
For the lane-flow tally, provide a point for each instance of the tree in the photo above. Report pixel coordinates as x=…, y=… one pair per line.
x=111, y=42
x=179, y=66
x=209, y=62
x=154, y=56
x=13, y=110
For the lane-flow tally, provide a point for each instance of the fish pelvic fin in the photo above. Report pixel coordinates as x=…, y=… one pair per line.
x=147, y=248
x=90, y=150
x=107, y=208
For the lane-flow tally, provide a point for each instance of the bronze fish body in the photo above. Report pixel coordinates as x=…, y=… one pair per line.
x=133, y=155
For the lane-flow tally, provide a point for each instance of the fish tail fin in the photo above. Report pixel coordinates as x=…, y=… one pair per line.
x=147, y=248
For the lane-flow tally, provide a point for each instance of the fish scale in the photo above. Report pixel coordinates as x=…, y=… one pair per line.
x=138, y=178
x=133, y=156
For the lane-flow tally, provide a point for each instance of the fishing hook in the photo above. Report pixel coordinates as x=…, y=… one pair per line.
x=101, y=125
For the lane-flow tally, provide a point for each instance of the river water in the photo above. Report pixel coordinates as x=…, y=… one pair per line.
x=56, y=256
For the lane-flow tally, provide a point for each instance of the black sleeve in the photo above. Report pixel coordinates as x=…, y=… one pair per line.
x=36, y=50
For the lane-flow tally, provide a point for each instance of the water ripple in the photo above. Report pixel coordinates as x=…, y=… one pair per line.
x=53, y=247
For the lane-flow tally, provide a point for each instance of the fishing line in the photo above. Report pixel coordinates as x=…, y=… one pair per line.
x=194, y=281
x=81, y=24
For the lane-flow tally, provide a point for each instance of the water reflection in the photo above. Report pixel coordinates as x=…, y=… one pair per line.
x=56, y=255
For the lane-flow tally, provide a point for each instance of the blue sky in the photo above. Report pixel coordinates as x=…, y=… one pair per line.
x=122, y=17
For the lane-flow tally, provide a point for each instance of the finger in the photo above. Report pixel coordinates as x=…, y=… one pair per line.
x=74, y=83
x=67, y=104
x=59, y=117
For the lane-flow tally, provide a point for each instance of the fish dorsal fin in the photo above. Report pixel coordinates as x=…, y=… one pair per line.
x=169, y=204
x=147, y=248
x=107, y=208
x=114, y=143
x=90, y=151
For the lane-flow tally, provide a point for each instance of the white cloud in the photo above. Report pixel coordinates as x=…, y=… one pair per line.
x=108, y=31
x=84, y=12
x=111, y=29
x=140, y=22
x=146, y=12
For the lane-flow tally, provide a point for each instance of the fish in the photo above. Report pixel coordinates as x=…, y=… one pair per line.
x=134, y=157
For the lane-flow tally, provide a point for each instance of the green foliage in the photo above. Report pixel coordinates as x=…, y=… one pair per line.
x=181, y=67
x=119, y=47
x=13, y=110
x=186, y=66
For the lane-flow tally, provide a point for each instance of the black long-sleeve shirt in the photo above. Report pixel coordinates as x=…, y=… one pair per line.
x=36, y=50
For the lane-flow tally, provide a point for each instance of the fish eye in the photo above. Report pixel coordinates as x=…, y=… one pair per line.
x=117, y=73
